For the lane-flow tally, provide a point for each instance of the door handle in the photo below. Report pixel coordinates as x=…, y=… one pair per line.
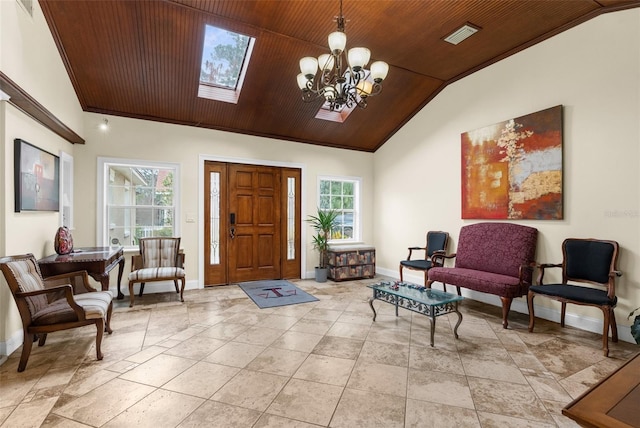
x=232, y=232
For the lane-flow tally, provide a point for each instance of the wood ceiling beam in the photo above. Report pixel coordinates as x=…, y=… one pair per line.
x=24, y=102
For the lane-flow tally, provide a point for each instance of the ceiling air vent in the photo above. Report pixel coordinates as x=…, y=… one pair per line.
x=461, y=34
x=27, y=5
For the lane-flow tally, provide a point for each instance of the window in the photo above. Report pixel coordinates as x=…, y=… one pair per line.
x=343, y=195
x=225, y=57
x=138, y=199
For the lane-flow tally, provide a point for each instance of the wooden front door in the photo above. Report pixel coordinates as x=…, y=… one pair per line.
x=248, y=213
x=254, y=223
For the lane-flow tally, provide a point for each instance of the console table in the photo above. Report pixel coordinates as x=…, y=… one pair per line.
x=97, y=261
x=612, y=402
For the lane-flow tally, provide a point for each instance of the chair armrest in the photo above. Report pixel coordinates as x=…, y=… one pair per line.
x=181, y=257
x=136, y=262
x=542, y=266
x=412, y=249
x=438, y=257
x=65, y=289
x=527, y=267
x=79, y=280
x=616, y=273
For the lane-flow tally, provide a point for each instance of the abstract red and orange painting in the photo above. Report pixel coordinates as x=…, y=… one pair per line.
x=513, y=169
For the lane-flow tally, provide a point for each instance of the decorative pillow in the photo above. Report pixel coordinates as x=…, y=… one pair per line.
x=63, y=242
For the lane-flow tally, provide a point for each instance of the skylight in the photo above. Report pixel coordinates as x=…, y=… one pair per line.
x=342, y=113
x=225, y=56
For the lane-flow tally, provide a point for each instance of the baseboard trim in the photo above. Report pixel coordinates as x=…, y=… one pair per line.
x=155, y=287
x=10, y=345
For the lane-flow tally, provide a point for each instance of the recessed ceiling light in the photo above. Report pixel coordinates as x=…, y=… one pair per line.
x=461, y=34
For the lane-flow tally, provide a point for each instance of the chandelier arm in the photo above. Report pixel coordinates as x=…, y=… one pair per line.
x=376, y=89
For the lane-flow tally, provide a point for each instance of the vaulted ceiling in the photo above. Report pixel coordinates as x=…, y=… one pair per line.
x=141, y=59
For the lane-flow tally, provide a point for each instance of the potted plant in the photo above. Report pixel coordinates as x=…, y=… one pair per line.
x=323, y=222
x=635, y=327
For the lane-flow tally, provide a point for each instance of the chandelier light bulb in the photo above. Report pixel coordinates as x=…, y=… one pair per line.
x=326, y=62
x=358, y=58
x=379, y=70
x=308, y=66
x=364, y=88
x=302, y=81
x=337, y=42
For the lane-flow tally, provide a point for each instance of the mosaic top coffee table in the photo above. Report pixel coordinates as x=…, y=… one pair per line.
x=426, y=301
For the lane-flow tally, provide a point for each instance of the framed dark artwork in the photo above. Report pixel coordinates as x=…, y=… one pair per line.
x=513, y=169
x=37, y=178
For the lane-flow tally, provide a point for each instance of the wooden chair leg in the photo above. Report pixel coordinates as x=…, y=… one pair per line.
x=563, y=311
x=99, y=333
x=26, y=351
x=614, y=326
x=42, y=338
x=426, y=277
x=131, y=295
x=532, y=316
x=605, y=332
x=182, y=289
x=506, y=306
x=141, y=289
x=107, y=326
x=175, y=284
x=401, y=274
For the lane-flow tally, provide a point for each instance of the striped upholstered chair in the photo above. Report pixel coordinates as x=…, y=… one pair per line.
x=160, y=259
x=57, y=303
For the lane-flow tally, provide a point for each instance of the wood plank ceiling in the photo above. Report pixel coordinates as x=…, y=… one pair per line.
x=141, y=59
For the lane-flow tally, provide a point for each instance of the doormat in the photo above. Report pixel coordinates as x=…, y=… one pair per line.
x=268, y=294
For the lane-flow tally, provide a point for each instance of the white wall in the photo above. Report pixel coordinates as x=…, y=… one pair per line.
x=145, y=140
x=593, y=70
x=29, y=58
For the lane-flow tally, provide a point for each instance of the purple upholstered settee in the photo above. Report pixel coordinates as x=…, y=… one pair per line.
x=494, y=258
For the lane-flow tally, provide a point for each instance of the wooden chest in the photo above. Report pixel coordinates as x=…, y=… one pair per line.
x=352, y=262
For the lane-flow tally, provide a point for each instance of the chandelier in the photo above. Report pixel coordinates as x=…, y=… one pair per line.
x=340, y=77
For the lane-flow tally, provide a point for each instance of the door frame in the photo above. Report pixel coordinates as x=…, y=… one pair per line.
x=202, y=159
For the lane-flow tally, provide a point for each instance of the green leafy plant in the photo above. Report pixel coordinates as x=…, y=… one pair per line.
x=635, y=327
x=323, y=222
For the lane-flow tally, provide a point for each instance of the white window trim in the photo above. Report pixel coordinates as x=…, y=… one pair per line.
x=66, y=188
x=101, y=199
x=357, y=217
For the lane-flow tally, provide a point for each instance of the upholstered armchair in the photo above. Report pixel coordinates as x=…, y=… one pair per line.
x=160, y=259
x=588, y=278
x=436, y=243
x=58, y=303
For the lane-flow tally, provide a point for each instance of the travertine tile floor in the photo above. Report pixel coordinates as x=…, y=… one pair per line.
x=217, y=360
